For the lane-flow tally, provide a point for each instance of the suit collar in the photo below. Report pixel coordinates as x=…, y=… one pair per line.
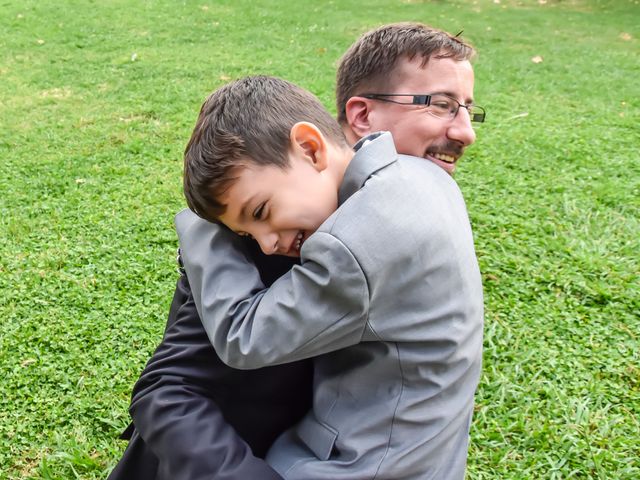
x=373, y=153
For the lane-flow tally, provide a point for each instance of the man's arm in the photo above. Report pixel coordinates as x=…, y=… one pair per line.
x=318, y=307
x=195, y=413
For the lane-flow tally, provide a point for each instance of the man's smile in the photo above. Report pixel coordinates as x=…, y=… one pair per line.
x=445, y=156
x=445, y=161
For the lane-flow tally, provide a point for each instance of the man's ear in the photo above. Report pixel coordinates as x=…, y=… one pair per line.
x=308, y=141
x=357, y=111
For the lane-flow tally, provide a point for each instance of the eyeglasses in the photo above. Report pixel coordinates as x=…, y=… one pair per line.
x=436, y=104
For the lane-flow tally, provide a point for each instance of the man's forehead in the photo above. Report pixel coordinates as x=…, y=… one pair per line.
x=416, y=69
x=438, y=75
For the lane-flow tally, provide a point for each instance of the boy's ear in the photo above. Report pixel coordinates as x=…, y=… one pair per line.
x=307, y=140
x=357, y=110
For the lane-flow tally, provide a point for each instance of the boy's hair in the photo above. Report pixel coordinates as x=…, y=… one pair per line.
x=369, y=62
x=246, y=121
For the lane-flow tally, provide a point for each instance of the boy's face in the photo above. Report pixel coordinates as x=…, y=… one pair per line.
x=416, y=132
x=280, y=208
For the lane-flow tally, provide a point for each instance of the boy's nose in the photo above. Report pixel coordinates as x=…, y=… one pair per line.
x=268, y=242
x=460, y=129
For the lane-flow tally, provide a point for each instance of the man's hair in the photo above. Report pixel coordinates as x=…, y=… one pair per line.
x=247, y=121
x=369, y=62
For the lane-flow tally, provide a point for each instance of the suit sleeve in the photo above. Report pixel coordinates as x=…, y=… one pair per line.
x=317, y=307
x=174, y=412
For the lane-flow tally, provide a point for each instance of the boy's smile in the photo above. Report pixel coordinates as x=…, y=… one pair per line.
x=280, y=208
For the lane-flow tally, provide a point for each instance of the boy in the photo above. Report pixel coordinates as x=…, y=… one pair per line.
x=388, y=274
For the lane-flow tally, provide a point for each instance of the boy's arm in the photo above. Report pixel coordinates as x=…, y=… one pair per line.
x=318, y=307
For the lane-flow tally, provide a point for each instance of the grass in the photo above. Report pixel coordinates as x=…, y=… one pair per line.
x=97, y=100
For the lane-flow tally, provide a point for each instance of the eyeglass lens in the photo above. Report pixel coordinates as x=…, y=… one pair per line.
x=444, y=106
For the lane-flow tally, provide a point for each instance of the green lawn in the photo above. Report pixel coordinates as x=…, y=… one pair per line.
x=97, y=100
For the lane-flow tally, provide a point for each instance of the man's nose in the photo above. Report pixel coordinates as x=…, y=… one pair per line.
x=460, y=129
x=268, y=242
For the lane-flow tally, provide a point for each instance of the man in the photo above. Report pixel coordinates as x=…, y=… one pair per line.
x=188, y=421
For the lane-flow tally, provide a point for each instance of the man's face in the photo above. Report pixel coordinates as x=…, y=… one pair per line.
x=279, y=208
x=416, y=132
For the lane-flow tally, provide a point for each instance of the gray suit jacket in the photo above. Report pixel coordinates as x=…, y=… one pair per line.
x=388, y=297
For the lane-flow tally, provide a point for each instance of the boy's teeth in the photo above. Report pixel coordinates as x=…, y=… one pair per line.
x=298, y=241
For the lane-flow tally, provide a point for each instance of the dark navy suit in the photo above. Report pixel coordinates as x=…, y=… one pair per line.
x=196, y=418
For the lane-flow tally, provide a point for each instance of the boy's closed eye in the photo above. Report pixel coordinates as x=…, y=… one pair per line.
x=259, y=211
